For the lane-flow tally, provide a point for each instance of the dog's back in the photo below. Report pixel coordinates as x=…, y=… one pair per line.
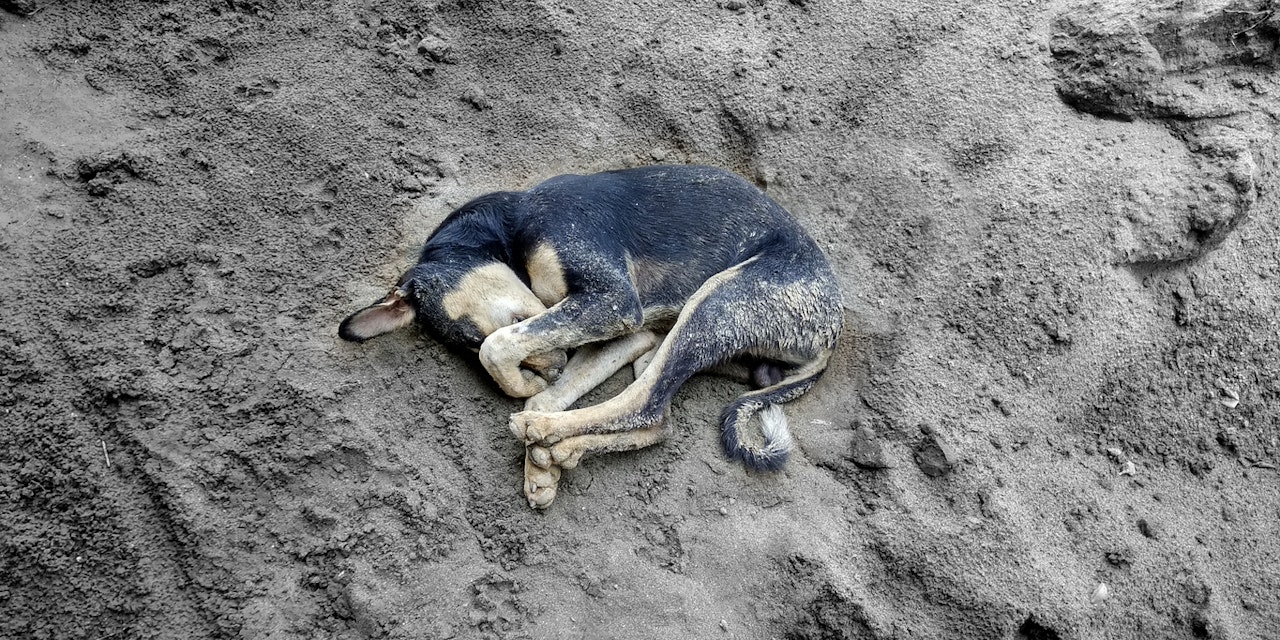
x=677, y=225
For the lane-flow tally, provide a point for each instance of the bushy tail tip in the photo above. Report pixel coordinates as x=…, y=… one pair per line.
x=777, y=437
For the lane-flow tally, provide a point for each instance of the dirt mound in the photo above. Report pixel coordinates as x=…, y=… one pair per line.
x=1051, y=416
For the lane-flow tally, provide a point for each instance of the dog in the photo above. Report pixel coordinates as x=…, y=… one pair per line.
x=672, y=269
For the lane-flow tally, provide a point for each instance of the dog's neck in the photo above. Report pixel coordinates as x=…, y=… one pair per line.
x=474, y=234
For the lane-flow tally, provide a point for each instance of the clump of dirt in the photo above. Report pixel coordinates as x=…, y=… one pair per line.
x=1207, y=76
x=1049, y=417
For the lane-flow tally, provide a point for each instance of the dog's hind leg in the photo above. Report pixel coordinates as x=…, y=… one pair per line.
x=779, y=388
x=632, y=408
x=590, y=366
x=569, y=452
x=542, y=465
x=775, y=308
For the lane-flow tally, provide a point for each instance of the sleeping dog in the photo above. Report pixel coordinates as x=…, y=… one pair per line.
x=673, y=269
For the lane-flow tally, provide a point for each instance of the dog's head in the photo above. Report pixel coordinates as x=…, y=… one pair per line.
x=459, y=305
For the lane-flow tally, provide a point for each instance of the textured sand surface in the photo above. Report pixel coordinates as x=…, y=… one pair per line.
x=1055, y=225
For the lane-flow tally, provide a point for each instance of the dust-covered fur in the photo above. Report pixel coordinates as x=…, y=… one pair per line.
x=558, y=287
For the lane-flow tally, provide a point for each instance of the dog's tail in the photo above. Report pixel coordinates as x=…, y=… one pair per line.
x=773, y=422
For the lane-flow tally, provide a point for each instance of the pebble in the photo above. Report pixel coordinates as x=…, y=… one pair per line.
x=934, y=456
x=476, y=97
x=867, y=450
x=436, y=48
x=1148, y=529
x=410, y=183
x=1119, y=558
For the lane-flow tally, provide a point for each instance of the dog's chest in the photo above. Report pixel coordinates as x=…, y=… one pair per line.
x=546, y=275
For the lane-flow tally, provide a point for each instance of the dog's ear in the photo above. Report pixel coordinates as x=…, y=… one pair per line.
x=384, y=316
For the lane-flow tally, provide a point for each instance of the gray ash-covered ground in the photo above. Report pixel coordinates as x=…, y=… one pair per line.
x=1055, y=225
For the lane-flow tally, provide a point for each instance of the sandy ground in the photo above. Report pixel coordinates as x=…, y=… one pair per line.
x=1055, y=225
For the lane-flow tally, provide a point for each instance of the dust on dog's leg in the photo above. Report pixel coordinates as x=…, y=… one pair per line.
x=560, y=395
x=568, y=452
x=540, y=482
x=590, y=366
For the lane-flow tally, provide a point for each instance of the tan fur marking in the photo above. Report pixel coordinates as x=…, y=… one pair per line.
x=546, y=275
x=490, y=296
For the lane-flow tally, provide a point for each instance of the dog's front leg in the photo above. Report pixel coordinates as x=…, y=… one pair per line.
x=501, y=355
x=572, y=322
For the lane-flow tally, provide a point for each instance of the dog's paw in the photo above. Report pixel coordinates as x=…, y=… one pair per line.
x=546, y=402
x=565, y=455
x=521, y=384
x=534, y=427
x=531, y=384
x=547, y=365
x=518, y=423
x=540, y=456
x=540, y=483
x=500, y=354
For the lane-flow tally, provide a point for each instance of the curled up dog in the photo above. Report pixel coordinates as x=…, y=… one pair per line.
x=670, y=269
